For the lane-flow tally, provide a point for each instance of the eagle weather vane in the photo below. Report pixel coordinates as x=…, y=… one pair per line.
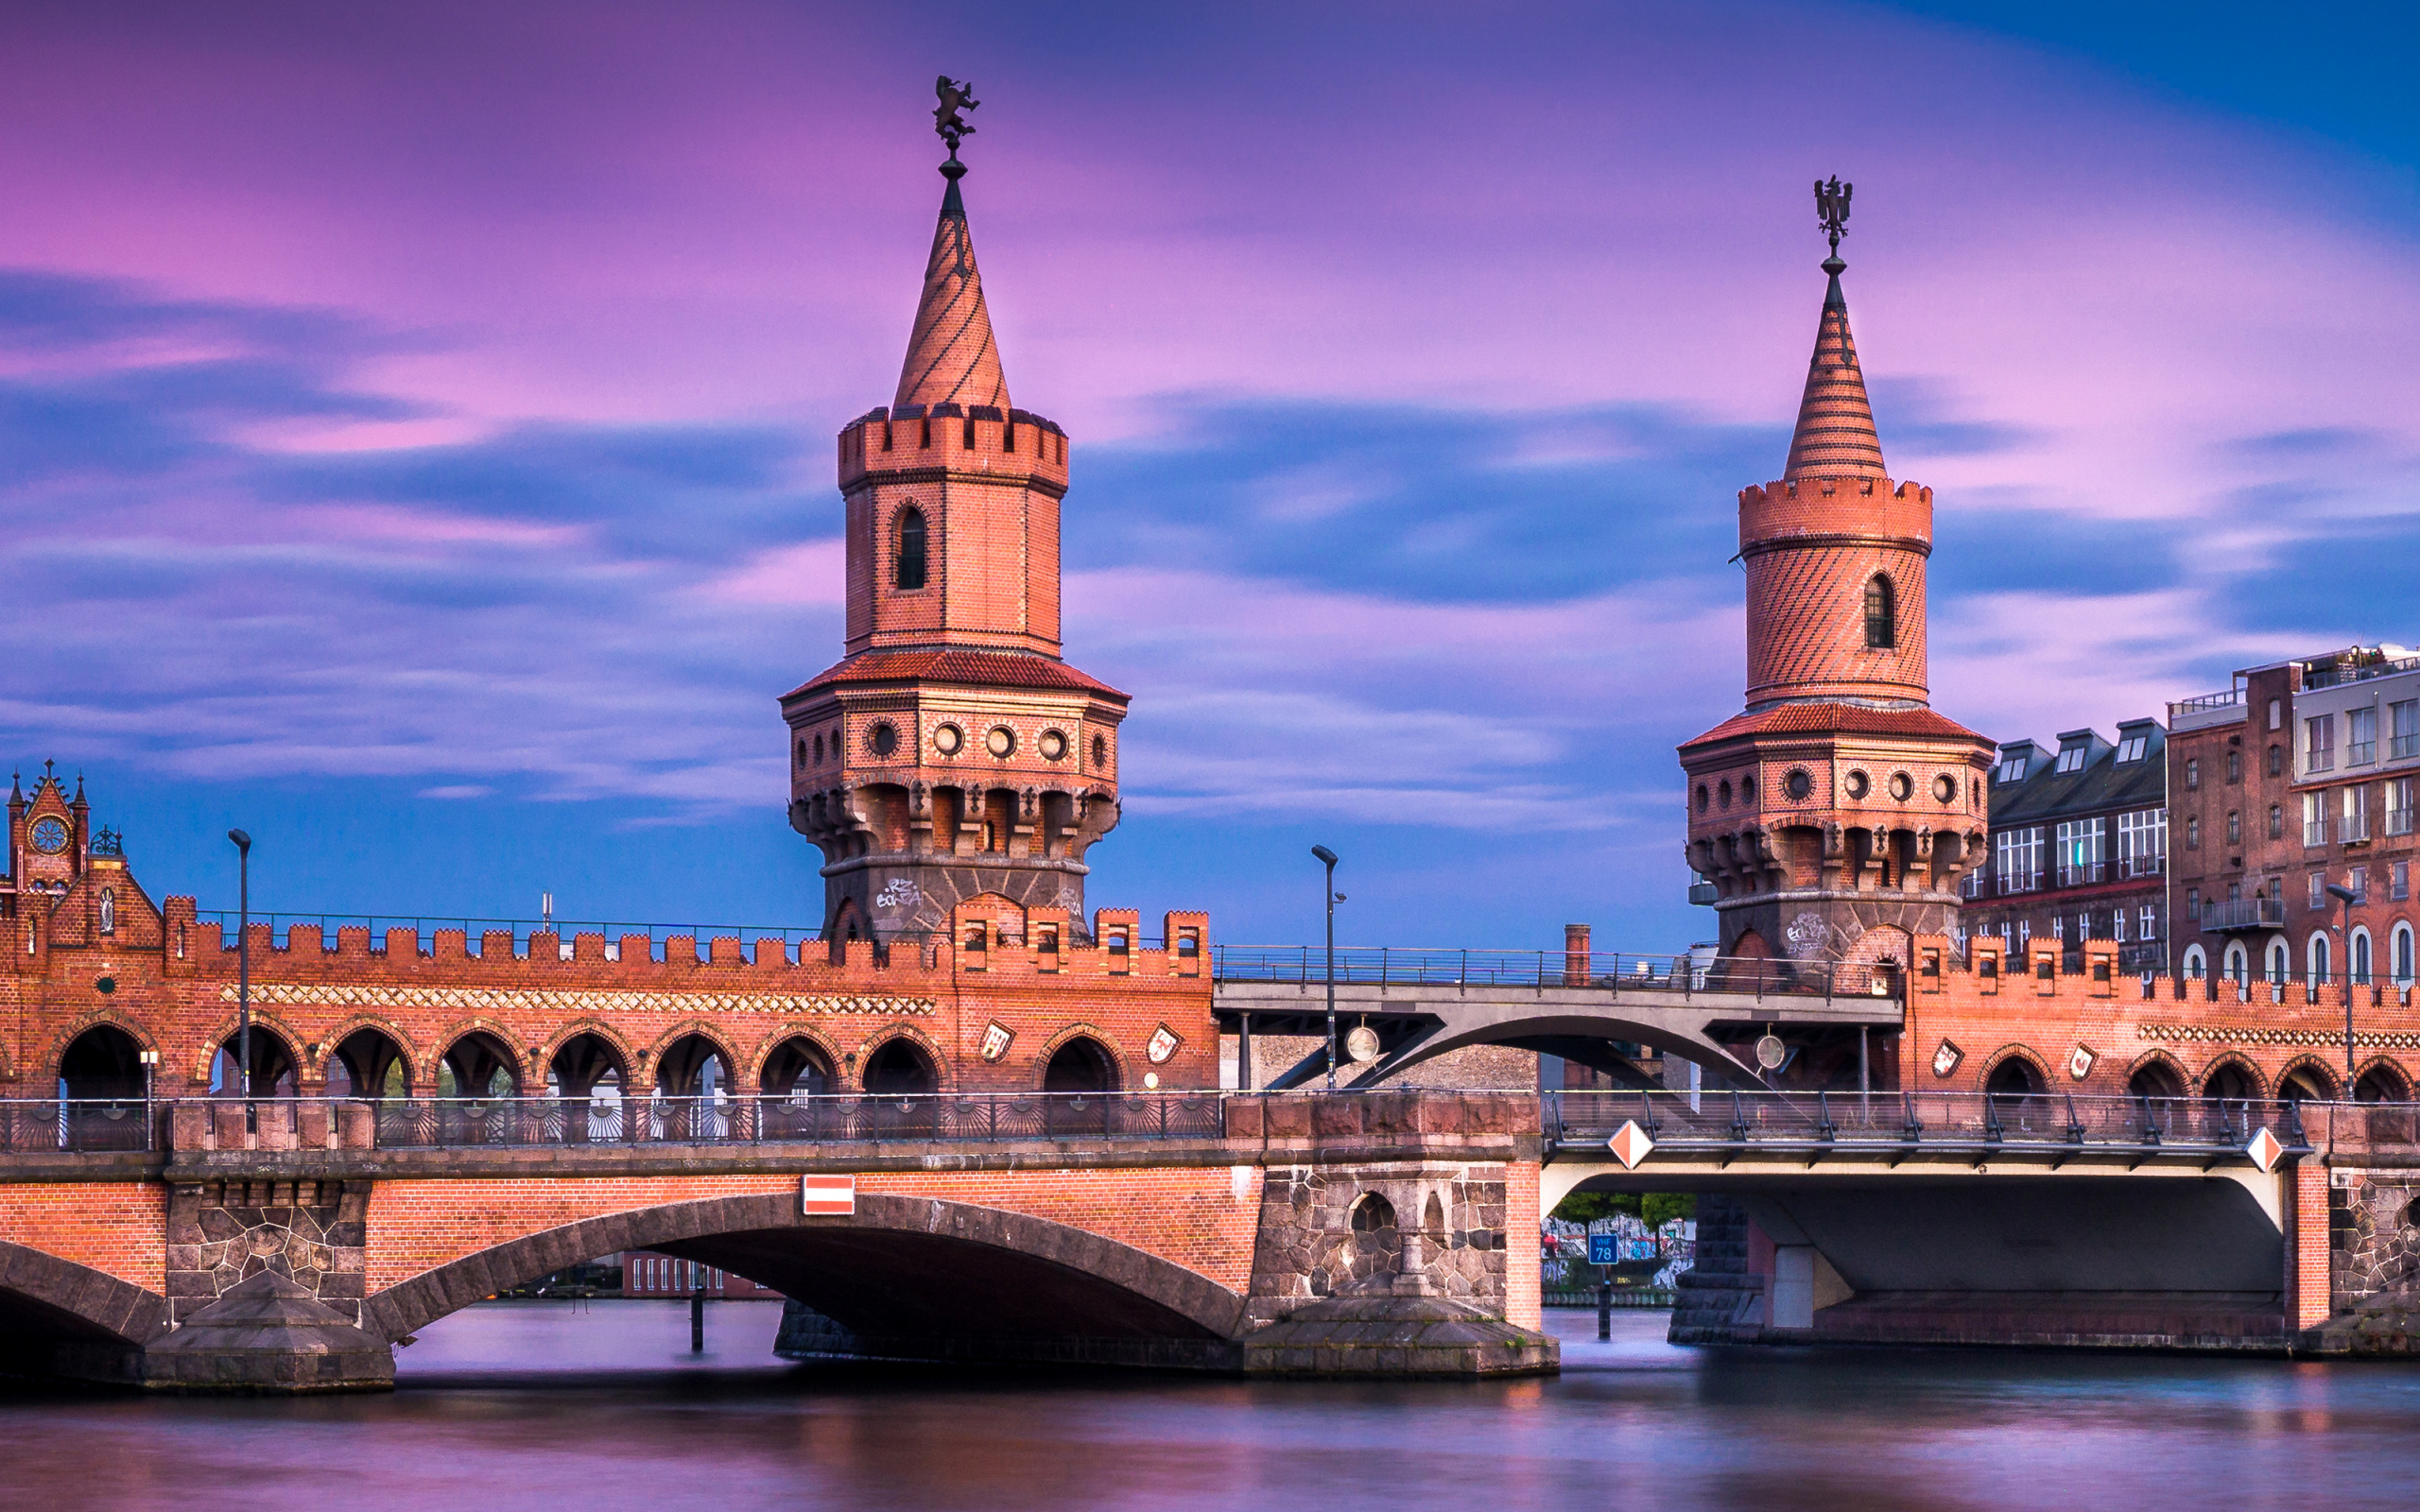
x=1832, y=208
x=949, y=117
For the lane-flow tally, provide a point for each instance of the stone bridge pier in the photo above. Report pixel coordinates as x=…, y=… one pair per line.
x=1386, y=1234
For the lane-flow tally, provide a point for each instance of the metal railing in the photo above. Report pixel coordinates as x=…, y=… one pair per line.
x=2351, y=828
x=1618, y=971
x=2317, y=676
x=55, y=1124
x=2244, y=913
x=460, y=1123
x=1718, y=1121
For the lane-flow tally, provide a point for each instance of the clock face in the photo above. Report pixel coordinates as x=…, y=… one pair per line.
x=49, y=836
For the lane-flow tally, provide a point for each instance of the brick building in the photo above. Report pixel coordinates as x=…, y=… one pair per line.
x=2078, y=846
x=1833, y=817
x=2300, y=777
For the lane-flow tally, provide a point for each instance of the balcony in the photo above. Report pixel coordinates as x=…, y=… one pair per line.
x=2142, y=866
x=2023, y=881
x=1701, y=892
x=2333, y=676
x=2353, y=828
x=2244, y=913
x=2080, y=874
x=2314, y=832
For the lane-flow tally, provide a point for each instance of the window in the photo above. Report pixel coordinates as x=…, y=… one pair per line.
x=2403, y=962
x=109, y=912
x=2011, y=770
x=1882, y=613
x=2017, y=859
x=2319, y=749
x=2280, y=963
x=2314, y=818
x=2235, y=766
x=2072, y=760
x=2276, y=822
x=2147, y=923
x=2117, y=925
x=2081, y=851
x=2359, y=882
x=2361, y=737
x=2193, y=832
x=2398, y=806
x=2399, y=881
x=2193, y=904
x=2403, y=719
x=2131, y=748
x=2353, y=822
x=1971, y=884
x=911, y=571
x=2142, y=842
x=2234, y=827
x=2024, y=933
x=2059, y=927
x=2084, y=927
x=2276, y=761
x=2319, y=889
x=2276, y=713
x=2192, y=772
x=2320, y=965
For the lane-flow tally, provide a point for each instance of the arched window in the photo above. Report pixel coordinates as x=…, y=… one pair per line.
x=2238, y=968
x=911, y=549
x=2320, y=967
x=2195, y=963
x=2403, y=962
x=109, y=910
x=1882, y=613
x=2280, y=963
x=2357, y=957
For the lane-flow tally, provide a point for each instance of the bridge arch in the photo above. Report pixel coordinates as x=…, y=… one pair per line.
x=2014, y=1070
x=475, y=1050
x=792, y=1059
x=1080, y=1057
x=2156, y=1075
x=583, y=1053
x=49, y=1305
x=675, y=1064
x=901, y=1266
x=64, y=1043
x=903, y=1058
x=2307, y=1078
x=2382, y=1081
x=365, y=1046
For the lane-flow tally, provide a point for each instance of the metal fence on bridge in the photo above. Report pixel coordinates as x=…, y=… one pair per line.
x=1620, y=970
x=1712, y=1122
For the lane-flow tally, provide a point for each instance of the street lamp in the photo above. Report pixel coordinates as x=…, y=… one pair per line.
x=1328, y=858
x=2344, y=896
x=244, y=969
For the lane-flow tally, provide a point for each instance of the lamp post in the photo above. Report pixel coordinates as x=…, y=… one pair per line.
x=1328, y=858
x=2344, y=896
x=244, y=969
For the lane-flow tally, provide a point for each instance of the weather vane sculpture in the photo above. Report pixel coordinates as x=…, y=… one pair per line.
x=1832, y=207
x=949, y=117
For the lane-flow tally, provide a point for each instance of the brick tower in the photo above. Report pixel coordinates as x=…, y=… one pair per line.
x=1835, y=816
x=952, y=752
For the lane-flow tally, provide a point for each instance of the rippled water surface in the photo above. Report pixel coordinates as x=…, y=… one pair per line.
x=539, y=1405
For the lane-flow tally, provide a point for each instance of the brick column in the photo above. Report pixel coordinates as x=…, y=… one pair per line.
x=1575, y=960
x=1523, y=1303
x=2309, y=1289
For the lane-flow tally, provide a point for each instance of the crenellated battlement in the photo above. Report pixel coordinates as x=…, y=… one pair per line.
x=938, y=438
x=1836, y=508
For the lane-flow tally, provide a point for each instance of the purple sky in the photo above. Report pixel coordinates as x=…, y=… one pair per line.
x=415, y=424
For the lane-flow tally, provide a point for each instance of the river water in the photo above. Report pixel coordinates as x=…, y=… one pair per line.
x=510, y=1405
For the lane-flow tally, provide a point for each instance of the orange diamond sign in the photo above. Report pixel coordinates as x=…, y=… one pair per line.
x=2265, y=1150
x=1630, y=1144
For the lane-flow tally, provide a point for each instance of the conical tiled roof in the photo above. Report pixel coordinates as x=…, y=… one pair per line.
x=951, y=358
x=1835, y=437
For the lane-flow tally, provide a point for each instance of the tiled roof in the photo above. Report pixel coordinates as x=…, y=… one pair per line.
x=1839, y=718
x=951, y=359
x=975, y=669
x=1835, y=437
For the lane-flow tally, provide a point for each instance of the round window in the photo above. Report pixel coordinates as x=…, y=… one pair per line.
x=1704, y=799
x=886, y=739
x=1725, y=795
x=1857, y=784
x=1798, y=785
x=1053, y=744
x=1901, y=785
x=1944, y=787
x=49, y=836
x=1002, y=741
x=948, y=740
x=1100, y=750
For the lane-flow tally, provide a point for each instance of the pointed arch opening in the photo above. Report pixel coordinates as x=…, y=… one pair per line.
x=588, y=1072
x=909, y=564
x=368, y=1063
x=693, y=1085
x=1882, y=613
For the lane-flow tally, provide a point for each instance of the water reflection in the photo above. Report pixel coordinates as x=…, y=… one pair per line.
x=537, y=1405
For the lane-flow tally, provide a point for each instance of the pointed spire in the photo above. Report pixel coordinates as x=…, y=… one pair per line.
x=1835, y=437
x=951, y=358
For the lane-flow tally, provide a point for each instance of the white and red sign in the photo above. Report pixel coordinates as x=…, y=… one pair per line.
x=1630, y=1144
x=828, y=1197
x=2266, y=1150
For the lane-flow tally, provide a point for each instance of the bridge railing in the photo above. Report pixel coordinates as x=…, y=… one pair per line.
x=1723, y=1120
x=39, y=1125
x=428, y=1123
x=1618, y=971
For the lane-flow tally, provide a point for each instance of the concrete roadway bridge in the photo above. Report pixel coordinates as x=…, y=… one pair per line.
x=189, y=1246
x=1424, y=1003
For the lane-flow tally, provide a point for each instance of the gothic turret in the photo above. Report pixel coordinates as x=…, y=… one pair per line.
x=1835, y=817
x=952, y=752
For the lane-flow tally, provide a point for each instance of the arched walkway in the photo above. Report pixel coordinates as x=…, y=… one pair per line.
x=2306, y=1083
x=902, y=1266
x=272, y=1066
x=2155, y=1078
x=1083, y=1064
x=900, y=1067
x=369, y=1063
x=477, y=1065
x=588, y=1073
x=102, y=1063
